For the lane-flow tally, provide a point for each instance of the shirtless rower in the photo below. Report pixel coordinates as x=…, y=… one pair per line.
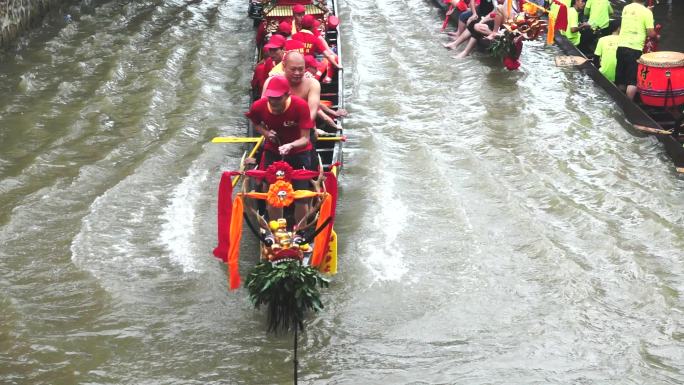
x=302, y=86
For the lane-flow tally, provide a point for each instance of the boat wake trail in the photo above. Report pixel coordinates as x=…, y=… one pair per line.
x=178, y=220
x=386, y=261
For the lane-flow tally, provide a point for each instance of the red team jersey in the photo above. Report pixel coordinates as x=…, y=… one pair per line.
x=287, y=125
x=311, y=42
x=261, y=73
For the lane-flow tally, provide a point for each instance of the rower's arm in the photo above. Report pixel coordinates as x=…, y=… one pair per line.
x=328, y=110
x=327, y=119
x=299, y=143
x=314, y=98
x=332, y=58
x=303, y=139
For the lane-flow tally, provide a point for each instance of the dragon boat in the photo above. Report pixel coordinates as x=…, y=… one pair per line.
x=665, y=123
x=295, y=258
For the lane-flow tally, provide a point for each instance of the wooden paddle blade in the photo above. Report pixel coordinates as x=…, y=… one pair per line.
x=651, y=130
x=570, y=61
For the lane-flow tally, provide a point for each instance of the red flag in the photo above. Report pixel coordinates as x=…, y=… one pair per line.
x=562, y=18
x=446, y=18
x=225, y=203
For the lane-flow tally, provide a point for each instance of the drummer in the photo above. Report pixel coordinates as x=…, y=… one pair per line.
x=637, y=24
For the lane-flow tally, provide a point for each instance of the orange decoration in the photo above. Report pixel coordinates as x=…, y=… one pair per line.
x=280, y=194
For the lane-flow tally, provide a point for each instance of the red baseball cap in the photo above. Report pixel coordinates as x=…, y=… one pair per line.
x=308, y=22
x=310, y=61
x=276, y=41
x=277, y=87
x=285, y=27
x=333, y=22
x=298, y=8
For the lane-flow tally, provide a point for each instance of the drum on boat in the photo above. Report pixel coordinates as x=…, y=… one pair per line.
x=660, y=78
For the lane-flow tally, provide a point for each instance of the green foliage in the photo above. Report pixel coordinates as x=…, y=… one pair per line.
x=503, y=46
x=288, y=290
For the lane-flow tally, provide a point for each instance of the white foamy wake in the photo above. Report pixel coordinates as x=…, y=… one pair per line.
x=178, y=226
x=384, y=257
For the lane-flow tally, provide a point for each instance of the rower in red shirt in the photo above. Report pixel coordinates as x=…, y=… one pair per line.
x=298, y=11
x=284, y=120
x=314, y=45
x=275, y=48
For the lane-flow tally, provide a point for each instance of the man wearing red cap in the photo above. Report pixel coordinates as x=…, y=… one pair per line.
x=298, y=12
x=285, y=122
x=314, y=44
x=285, y=29
x=275, y=48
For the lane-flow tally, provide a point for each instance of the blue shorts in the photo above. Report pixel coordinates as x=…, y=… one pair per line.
x=464, y=16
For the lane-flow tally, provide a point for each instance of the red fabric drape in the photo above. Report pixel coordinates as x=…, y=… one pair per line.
x=225, y=197
x=234, y=249
x=562, y=18
x=296, y=174
x=322, y=243
x=446, y=17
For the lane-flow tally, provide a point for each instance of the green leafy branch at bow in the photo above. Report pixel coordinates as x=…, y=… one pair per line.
x=288, y=290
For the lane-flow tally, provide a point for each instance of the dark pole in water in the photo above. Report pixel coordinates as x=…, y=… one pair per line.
x=295, y=355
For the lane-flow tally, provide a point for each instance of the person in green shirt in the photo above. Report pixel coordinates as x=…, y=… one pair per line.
x=636, y=25
x=572, y=32
x=598, y=13
x=606, y=51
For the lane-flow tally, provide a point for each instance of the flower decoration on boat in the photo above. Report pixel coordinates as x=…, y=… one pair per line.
x=279, y=171
x=280, y=194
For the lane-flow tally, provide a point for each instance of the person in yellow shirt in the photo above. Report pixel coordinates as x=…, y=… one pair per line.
x=636, y=25
x=572, y=32
x=598, y=13
x=606, y=51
